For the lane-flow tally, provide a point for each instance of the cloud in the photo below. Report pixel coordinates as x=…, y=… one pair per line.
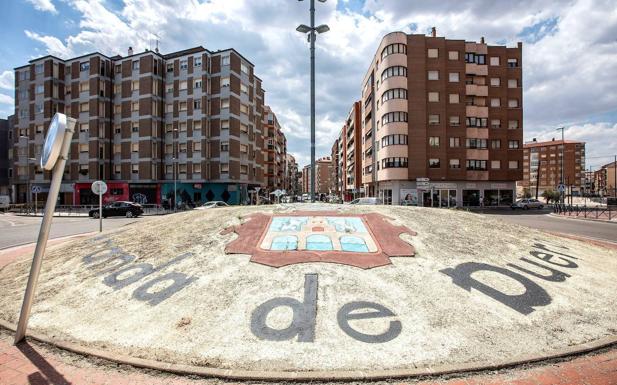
x=43, y=5
x=7, y=80
x=569, y=51
x=6, y=99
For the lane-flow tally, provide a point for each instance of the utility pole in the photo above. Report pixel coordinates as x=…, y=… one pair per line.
x=538, y=179
x=563, y=146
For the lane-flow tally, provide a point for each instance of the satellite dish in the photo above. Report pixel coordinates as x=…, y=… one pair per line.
x=53, y=141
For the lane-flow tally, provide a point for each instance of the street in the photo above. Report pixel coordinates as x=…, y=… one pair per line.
x=18, y=230
x=542, y=220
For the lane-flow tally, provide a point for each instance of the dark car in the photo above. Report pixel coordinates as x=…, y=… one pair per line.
x=118, y=209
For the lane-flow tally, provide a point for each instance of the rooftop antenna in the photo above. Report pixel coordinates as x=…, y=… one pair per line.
x=157, y=42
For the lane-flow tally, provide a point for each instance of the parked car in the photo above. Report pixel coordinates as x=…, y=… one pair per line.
x=212, y=205
x=118, y=209
x=366, y=201
x=5, y=202
x=527, y=204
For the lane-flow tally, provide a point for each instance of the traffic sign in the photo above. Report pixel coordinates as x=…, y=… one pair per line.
x=561, y=187
x=35, y=189
x=99, y=187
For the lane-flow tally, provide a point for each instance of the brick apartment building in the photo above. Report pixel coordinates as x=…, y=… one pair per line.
x=349, y=159
x=292, y=184
x=335, y=173
x=275, y=156
x=545, y=157
x=144, y=120
x=605, y=180
x=441, y=122
x=6, y=167
x=323, y=170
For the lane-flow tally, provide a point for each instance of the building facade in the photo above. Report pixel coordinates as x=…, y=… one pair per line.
x=335, y=171
x=349, y=155
x=605, y=180
x=275, y=154
x=543, y=163
x=6, y=167
x=144, y=121
x=442, y=122
x=291, y=185
x=323, y=170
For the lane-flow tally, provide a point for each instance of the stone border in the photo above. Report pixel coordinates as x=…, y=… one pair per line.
x=256, y=375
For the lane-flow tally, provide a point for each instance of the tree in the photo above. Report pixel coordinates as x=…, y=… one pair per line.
x=551, y=195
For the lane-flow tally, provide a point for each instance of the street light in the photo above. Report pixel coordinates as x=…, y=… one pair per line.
x=175, y=171
x=563, y=146
x=310, y=30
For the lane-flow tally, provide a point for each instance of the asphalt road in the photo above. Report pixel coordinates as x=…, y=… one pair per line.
x=18, y=230
x=542, y=220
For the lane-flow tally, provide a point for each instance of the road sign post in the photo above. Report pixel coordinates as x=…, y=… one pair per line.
x=257, y=195
x=99, y=188
x=36, y=190
x=54, y=156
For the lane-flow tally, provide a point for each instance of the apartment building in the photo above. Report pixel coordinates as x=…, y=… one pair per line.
x=275, y=152
x=543, y=163
x=144, y=121
x=442, y=122
x=335, y=171
x=323, y=170
x=349, y=154
x=291, y=184
x=6, y=167
x=605, y=180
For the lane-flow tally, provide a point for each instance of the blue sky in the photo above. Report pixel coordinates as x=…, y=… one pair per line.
x=569, y=50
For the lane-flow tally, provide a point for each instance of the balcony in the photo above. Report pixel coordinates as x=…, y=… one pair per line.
x=476, y=69
x=476, y=90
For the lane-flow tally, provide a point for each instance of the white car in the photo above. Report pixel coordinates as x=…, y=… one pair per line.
x=366, y=201
x=527, y=204
x=212, y=205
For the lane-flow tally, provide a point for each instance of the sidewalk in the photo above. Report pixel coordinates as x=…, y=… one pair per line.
x=32, y=363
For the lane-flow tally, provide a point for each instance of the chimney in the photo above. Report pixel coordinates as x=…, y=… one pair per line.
x=482, y=40
x=130, y=51
x=434, y=32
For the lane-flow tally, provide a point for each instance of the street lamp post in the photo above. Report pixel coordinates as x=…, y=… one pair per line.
x=563, y=146
x=311, y=38
x=175, y=171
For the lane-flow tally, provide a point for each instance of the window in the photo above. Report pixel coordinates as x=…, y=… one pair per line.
x=197, y=104
x=224, y=103
x=244, y=88
x=134, y=147
x=224, y=146
x=471, y=57
x=397, y=116
x=455, y=163
x=455, y=142
x=197, y=146
x=244, y=68
x=395, y=93
x=169, y=169
x=455, y=121
x=169, y=107
x=434, y=163
x=512, y=83
x=394, y=48
x=433, y=141
x=170, y=67
x=84, y=107
x=135, y=127
x=117, y=128
x=244, y=128
x=83, y=127
x=224, y=168
x=495, y=123
x=83, y=147
x=513, y=103
x=476, y=165
x=476, y=143
x=452, y=55
x=169, y=149
x=495, y=144
x=39, y=89
x=454, y=98
x=183, y=106
x=393, y=71
x=197, y=84
x=135, y=106
x=197, y=61
x=183, y=85
x=135, y=168
x=38, y=108
x=135, y=85
x=513, y=164
x=117, y=148
x=495, y=82
x=512, y=124
x=433, y=119
x=169, y=88
x=433, y=96
x=433, y=53
x=476, y=122
x=244, y=169
x=182, y=147
x=225, y=60
x=197, y=125
x=244, y=108
x=244, y=149
x=433, y=75
x=85, y=66
x=495, y=102
x=494, y=60
x=224, y=124
x=83, y=169
x=197, y=167
x=391, y=140
x=495, y=164
x=182, y=126
x=394, y=163
x=184, y=64
x=512, y=144
x=453, y=77
x=512, y=63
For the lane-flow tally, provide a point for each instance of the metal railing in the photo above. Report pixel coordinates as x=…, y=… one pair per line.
x=599, y=212
x=78, y=210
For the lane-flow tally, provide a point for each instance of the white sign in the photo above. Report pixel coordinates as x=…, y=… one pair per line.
x=36, y=189
x=561, y=188
x=257, y=189
x=53, y=141
x=99, y=187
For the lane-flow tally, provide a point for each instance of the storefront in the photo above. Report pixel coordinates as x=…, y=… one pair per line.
x=116, y=191
x=145, y=193
x=195, y=194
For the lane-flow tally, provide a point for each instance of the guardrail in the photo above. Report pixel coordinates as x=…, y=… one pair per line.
x=78, y=210
x=608, y=212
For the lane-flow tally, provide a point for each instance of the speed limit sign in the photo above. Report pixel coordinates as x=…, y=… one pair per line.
x=99, y=187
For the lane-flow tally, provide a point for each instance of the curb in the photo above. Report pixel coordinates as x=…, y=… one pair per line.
x=257, y=375
x=583, y=219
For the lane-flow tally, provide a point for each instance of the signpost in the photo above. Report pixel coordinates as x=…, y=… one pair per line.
x=54, y=156
x=36, y=190
x=257, y=198
x=99, y=188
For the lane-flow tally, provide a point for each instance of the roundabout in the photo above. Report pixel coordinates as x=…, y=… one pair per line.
x=310, y=291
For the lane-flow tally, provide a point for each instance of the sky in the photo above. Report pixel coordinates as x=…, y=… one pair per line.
x=569, y=51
